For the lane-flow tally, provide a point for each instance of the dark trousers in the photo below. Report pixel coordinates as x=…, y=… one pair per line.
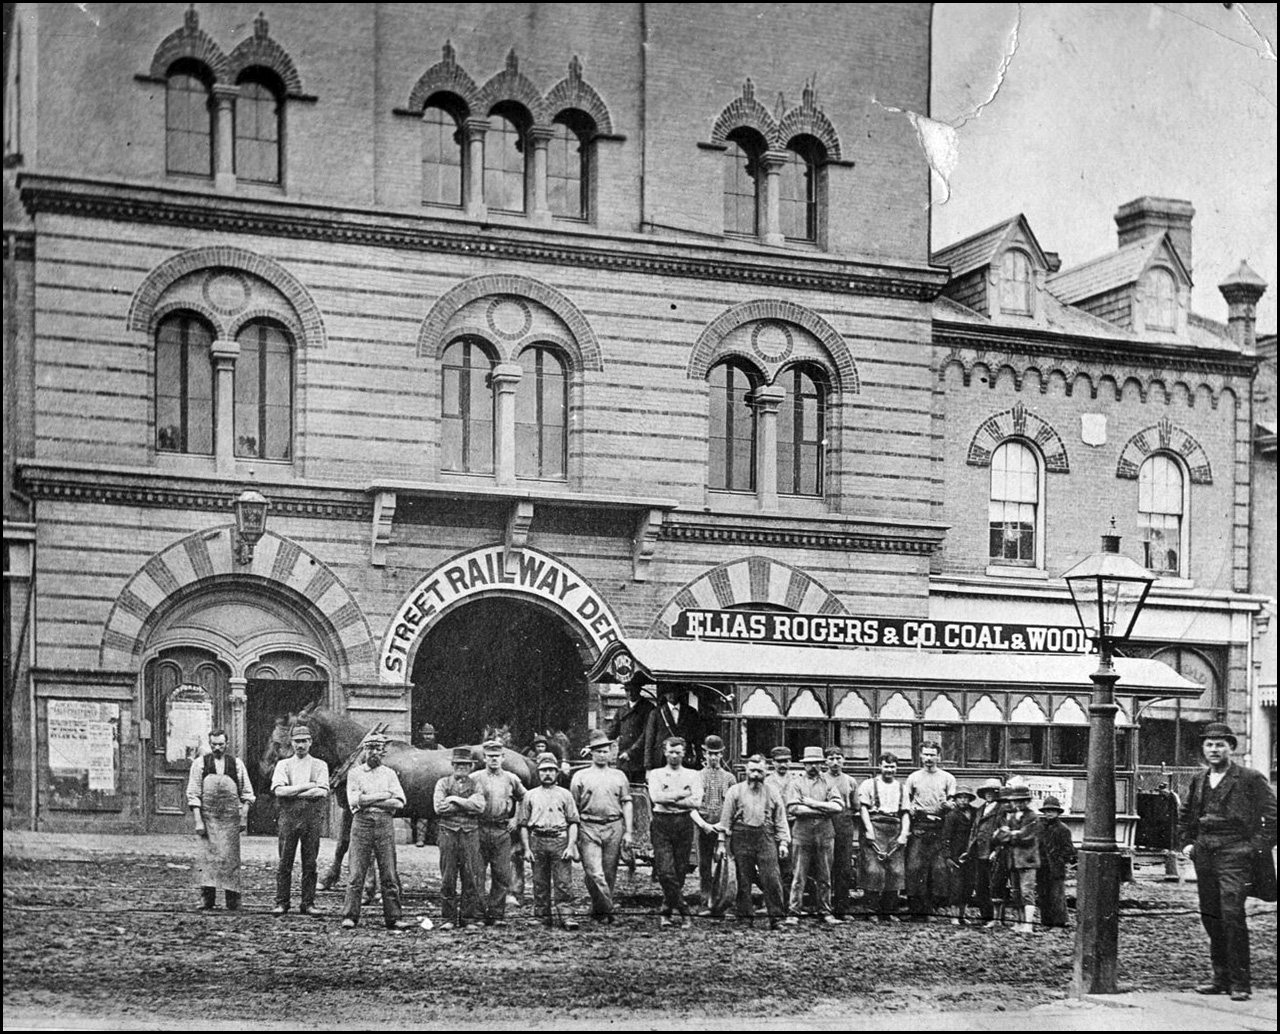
x=495, y=861
x=707, y=843
x=552, y=876
x=460, y=859
x=883, y=866
x=973, y=880
x=300, y=822
x=1051, y=897
x=842, y=863
x=1224, y=869
x=812, y=844
x=373, y=837
x=672, y=840
x=926, y=870
x=755, y=860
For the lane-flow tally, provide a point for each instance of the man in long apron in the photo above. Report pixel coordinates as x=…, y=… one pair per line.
x=219, y=794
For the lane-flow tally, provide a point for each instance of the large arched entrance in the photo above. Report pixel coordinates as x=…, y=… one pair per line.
x=500, y=661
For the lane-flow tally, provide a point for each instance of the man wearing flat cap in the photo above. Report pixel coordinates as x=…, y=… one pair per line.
x=301, y=788
x=459, y=802
x=1229, y=814
x=503, y=793
x=549, y=832
x=374, y=795
x=716, y=780
x=602, y=795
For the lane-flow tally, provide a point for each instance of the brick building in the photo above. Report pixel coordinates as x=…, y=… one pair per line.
x=543, y=336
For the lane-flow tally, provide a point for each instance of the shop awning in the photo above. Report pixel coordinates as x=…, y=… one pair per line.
x=682, y=660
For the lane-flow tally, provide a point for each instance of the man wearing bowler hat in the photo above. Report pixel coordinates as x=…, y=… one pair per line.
x=811, y=803
x=716, y=780
x=459, y=803
x=603, y=798
x=1229, y=813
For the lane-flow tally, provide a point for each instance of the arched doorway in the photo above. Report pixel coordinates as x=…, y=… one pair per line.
x=500, y=661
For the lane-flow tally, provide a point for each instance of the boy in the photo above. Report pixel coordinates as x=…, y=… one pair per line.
x=1056, y=853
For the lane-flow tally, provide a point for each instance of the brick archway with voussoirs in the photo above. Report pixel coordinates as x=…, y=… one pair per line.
x=751, y=579
x=207, y=557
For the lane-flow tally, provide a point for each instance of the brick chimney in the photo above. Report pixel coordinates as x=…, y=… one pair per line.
x=1148, y=215
x=1242, y=289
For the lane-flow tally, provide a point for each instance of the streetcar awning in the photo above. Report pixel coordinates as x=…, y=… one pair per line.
x=682, y=660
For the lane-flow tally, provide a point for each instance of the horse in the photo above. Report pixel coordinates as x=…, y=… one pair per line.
x=336, y=740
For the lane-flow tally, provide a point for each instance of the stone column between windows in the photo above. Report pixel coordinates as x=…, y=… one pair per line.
x=224, y=137
x=224, y=355
x=767, y=400
x=771, y=163
x=237, y=734
x=505, y=378
x=474, y=130
x=540, y=211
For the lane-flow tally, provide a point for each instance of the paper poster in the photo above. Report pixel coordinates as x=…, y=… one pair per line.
x=83, y=739
x=189, y=719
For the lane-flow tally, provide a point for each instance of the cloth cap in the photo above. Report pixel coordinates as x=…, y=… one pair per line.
x=1051, y=804
x=300, y=730
x=494, y=747
x=1219, y=731
x=964, y=791
x=780, y=753
x=1018, y=793
x=427, y=727
x=812, y=754
x=598, y=740
x=713, y=743
x=461, y=754
x=548, y=760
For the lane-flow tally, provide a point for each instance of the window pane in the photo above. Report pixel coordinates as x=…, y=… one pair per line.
x=188, y=126
x=199, y=390
x=504, y=166
x=797, y=201
x=897, y=740
x=565, y=168
x=257, y=121
x=1026, y=744
x=982, y=744
x=948, y=738
x=248, y=377
x=1160, y=298
x=1015, y=282
x=1071, y=745
x=739, y=190
x=169, y=349
x=732, y=431
x=441, y=158
x=855, y=739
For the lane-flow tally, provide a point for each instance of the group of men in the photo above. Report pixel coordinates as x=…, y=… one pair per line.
x=789, y=832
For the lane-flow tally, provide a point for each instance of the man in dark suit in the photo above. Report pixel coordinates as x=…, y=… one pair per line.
x=1229, y=813
x=628, y=729
x=673, y=717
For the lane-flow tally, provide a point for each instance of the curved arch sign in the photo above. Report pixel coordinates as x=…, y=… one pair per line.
x=483, y=572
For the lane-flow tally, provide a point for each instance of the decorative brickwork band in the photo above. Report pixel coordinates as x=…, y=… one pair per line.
x=261, y=51
x=1019, y=422
x=704, y=352
x=204, y=560
x=1164, y=436
x=750, y=579
x=584, y=349
x=194, y=44
x=147, y=304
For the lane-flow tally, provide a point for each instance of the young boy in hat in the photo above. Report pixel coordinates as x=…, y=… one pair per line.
x=459, y=803
x=1018, y=836
x=957, y=828
x=1056, y=853
x=977, y=859
x=549, y=832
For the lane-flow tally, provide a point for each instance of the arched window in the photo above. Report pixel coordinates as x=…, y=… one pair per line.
x=466, y=438
x=1160, y=513
x=442, y=154
x=732, y=432
x=184, y=385
x=1160, y=300
x=741, y=182
x=504, y=160
x=569, y=155
x=1015, y=282
x=188, y=120
x=264, y=392
x=259, y=113
x=542, y=415
x=1014, y=511
x=798, y=183
x=802, y=421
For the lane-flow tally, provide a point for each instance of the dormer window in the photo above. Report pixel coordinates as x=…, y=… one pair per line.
x=1159, y=300
x=1015, y=282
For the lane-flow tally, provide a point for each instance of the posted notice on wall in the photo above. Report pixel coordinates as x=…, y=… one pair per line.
x=84, y=751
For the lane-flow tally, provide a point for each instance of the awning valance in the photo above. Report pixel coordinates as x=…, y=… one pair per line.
x=680, y=660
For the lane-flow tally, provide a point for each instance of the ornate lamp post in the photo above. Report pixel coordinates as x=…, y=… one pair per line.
x=251, y=521
x=1108, y=590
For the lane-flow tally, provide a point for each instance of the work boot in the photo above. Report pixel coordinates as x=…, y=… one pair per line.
x=208, y=899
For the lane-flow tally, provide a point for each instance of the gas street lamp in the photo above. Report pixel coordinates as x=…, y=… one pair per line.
x=1108, y=590
x=251, y=521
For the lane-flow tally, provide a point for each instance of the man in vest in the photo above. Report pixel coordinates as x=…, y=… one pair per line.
x=301, y=788
x=753, y=828
x=1229, y=814
x=459, y=802
x=219, y=794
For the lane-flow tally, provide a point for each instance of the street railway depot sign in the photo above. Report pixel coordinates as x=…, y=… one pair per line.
x=485, y=572
x=755, y=626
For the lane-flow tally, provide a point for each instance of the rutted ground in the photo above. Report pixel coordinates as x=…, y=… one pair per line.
x=117, y=938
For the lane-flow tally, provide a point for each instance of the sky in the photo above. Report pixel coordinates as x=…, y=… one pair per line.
x=1066, y=111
